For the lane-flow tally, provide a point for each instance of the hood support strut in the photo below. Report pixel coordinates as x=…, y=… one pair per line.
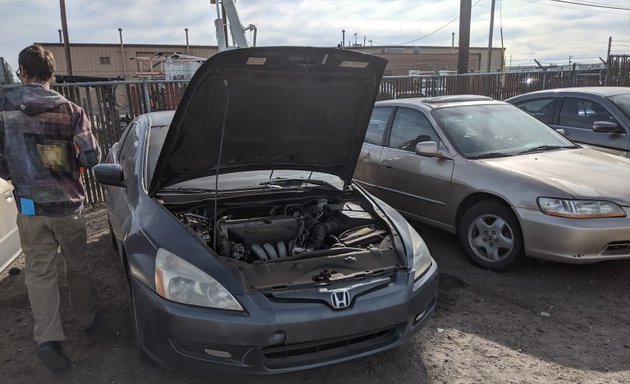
x=216, y=178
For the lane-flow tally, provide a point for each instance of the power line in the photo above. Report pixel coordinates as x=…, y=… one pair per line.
x=428, y=34
x=594, y=5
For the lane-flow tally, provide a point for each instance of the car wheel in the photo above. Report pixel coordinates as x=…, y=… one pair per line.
x=112, y=238
x=491, y=235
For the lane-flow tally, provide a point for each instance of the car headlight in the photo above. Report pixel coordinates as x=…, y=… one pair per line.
x=421, y=257
x=579, y=209
x=178, y=280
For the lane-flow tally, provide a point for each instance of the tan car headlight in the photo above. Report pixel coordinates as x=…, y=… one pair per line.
x=579, y=209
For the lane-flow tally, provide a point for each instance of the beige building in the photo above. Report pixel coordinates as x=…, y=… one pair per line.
x=131, y=61
x=409, y=60
x=135, y=61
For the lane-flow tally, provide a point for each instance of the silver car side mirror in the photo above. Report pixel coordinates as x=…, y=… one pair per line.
x=605, y=126
x=561, y=131
x=429, y=148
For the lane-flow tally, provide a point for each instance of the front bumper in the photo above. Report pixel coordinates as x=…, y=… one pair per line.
x=278, y=337
x=574, y=240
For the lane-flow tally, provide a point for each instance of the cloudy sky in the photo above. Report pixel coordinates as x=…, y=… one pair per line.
x=548, y=30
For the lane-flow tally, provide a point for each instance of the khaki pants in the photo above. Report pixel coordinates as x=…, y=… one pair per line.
x=41, y=236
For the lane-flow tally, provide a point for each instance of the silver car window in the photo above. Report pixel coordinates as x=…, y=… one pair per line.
x=582, y=113
x=542, y=109
x=410, y=128
x=377, y=126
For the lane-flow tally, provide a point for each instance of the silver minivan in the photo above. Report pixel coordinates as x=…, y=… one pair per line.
x=9, y=238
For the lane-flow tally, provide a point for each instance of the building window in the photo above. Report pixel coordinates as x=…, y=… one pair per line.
x=104, y=60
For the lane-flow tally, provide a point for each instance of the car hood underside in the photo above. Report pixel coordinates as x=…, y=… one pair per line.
x=271, y=108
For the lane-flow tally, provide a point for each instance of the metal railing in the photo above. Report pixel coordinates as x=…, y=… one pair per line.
x=112, y=105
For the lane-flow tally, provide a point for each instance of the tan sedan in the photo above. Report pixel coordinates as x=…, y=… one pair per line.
x=507, y=184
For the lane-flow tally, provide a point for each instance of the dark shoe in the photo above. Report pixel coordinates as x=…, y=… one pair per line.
x=93, y=326
x=51, y=354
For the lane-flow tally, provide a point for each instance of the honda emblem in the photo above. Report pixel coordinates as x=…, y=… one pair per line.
x=340, y=299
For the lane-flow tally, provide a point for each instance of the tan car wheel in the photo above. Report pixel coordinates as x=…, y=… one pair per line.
x=491, y=235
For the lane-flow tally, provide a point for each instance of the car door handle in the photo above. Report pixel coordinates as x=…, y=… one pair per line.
x=9, y=196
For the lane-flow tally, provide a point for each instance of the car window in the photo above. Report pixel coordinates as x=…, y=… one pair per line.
x=377, y=126
x=623, y=102
x=410, y=128
x=129, y=150
x=582, y=113
x=542, y=109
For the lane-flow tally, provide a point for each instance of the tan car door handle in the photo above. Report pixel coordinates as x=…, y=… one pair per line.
x=9, y=196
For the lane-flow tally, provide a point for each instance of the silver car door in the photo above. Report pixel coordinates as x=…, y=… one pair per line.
x=577, y=116
x=416, y=185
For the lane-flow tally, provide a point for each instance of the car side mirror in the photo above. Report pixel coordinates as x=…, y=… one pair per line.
x=605, y=126
x=109, y=174
x=429, y=148
x=561, y=131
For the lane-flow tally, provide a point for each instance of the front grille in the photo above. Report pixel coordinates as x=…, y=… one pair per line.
x=617, y=248
x=330, y=349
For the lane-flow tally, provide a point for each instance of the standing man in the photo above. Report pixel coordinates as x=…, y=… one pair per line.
x=44, y=141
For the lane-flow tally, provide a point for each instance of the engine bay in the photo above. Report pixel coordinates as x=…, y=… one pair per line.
x=257, y=233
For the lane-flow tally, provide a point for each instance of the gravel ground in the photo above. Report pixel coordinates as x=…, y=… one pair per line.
x=541, y=322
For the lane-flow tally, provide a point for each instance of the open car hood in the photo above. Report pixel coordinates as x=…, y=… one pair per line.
x=260, y=108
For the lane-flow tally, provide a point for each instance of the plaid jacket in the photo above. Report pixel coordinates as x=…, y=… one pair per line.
x=40, y=132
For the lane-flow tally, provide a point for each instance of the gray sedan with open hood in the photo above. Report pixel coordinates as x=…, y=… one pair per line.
x=247, y=246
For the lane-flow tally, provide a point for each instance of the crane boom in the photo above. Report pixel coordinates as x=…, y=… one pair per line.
x=227, y=9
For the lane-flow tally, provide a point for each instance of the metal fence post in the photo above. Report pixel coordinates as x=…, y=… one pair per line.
x=147, y=98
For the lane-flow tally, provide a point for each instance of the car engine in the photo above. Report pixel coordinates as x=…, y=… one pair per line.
x=267, y=233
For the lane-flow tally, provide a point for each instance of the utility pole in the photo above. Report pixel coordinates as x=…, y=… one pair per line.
x=60, y=38
x=122, y=54
x=66, y=42
x=187, y=46
x=608, y=61
x=343, y=39
x=490, y=38
x=465, y=10
x=453, y=43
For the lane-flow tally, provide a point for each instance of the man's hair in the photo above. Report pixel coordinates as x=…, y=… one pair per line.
x=38, y=62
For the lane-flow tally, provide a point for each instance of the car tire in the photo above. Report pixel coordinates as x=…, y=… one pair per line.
x=491, y=235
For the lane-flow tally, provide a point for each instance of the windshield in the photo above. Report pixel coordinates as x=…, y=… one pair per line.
x=623, y=102
x=496, y=130
x=261, y=180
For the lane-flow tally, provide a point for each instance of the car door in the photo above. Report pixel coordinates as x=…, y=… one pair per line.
x=10, y=246
x=367, y=171
x=576, y=118
x=415, y=184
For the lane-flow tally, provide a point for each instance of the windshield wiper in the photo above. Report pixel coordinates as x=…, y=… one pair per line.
x=491, y=154
x=293, y=182
x=187, y=190
x=544, y=148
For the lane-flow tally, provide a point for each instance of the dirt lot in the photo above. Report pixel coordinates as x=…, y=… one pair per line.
x=540, y=323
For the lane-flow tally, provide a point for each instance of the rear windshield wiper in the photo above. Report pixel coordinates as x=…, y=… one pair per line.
x=544, y=148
